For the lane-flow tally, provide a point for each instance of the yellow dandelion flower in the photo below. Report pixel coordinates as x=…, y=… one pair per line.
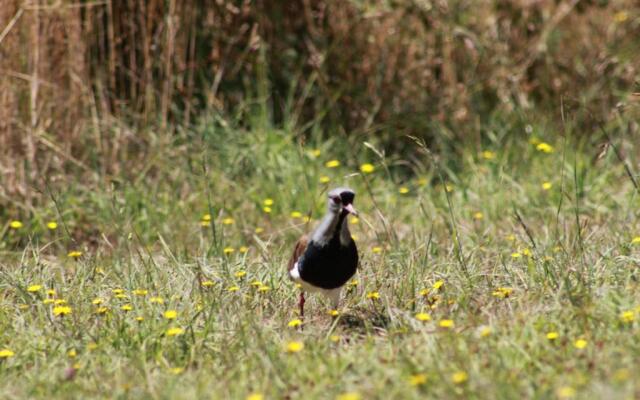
x=553, y=335
x=117, y=291
x=51, y=292
x=417, y=379
x=47, y=301
x=34, y=288
x=566, y=392
x=502, y=292
x=485, y=331
x=264, y=288
x=449, y=187
x=72, y=353
x=621, y=16
x=516, y=255
x=367, y=168
x=544, y=147
x=228, y=221
x=97, y=301
x=256, y=283
x=121, y=296
x=478, y=215
x=207, y=283
x=6, y=353
x=294, y=323
x=259, y=230
x=267, y=210
x=170, y=314
x=205, y=223
x=373, y=295
x=423, y=317
x=176, y=370
x=446, y=323
x=140, y=292
x=228, y=250
x=325, y=179
x=627, y=317
x=240, y=274
x=333, y=313
x=353, y=283
x=334, y=338
x=354, y=220
x=580, y=344
x=268, y=202
x=315, y=153
x=424, y=292
x=206, y=217
x=349, y=396
x=294, y=347
x=15, y=224
x=139, y=318
x=59, y=302
x=126, y=307
x=175, y=331
x=332, y=164
x=635, y=240
x=438, y=284
x=296, y=214
x=255, y=396
x=61, y=310
x=156, y=300
x=459, y=377
x=233, y=289
x=243, y=249
x=403, y=190
x=74, y=254
x=547, y=185
x=102, y=310
x=488, y=155
x=376, y=249
x=52, y=225
x=527, y=252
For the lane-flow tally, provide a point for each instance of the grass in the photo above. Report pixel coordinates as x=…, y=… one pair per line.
x=505, y=259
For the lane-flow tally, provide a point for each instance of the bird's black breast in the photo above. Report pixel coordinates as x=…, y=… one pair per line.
x=329, y=266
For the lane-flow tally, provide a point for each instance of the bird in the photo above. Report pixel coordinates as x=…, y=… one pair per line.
x=327, y=258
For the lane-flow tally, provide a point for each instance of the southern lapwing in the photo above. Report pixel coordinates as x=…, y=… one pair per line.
x=327, y=258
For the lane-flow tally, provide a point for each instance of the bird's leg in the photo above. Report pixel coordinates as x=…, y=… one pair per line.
x=301, y=304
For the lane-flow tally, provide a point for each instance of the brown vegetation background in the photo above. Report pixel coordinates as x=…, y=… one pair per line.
x=88, y=84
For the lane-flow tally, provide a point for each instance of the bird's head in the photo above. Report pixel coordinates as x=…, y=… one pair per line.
x=341, y=201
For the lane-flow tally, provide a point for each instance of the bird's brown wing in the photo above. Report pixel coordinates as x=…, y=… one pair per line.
x=299, y=250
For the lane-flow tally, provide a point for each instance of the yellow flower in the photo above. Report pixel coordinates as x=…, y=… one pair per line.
x=294, y=347
x=240, y=274
x=117, y=291
x=97, y=301
x=176, y=370
x=259, y=230
x=332, y=164
x=367, y=168
x=175, y=331
x=635, y=240
x=315, y=153
x=228, y=250
x=502, y=292
x=296, y=214
x=34, y=288
x=61, y=310
x=233, y=289
x=255, y=396
x=59, y=302
x=354, y=237
x=325, y=179
x=516, y=255
x=566, y=392
x=544, y=147
x=552, y=335
x=446, y=323
x=170, y=314
x=206, y=217
x=424, y=292
x=139, y=318
x=228, y=221
x=256, y=283
x=373, y=295
x=621, y=16
x=417, y=379
x=349, y=396
x=264, y=288
x=72, y=353
x=294, y=323
x=376, y=249
x=334, y=338
x=243, y=249
x=423, y=317
x=478, y=215
x=102, y=310
x=485, y=331
x=126, y=307
x=52, y=225
x=47, y=301
x=580, y=344
x=207, y=284
x=448, y=187
x=627, y=317
x=403, y=190
x=157, y=300
x=438, y=284
x=488, y=155
x=15, y=224
x=527, y=252
x=6, y=353
x=205, y=223
x=51, y=292
x=268, y=202
x=74, y=254
x=459, y=377
x=92, y=346
x=333, y=313
x=266, y=209
x=140, y=292
x=353, y=283
x=547, y=185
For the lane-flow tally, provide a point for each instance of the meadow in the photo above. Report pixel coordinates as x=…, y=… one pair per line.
x=509, y=270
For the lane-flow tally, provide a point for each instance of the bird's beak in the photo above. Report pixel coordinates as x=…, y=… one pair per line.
x=350, y=209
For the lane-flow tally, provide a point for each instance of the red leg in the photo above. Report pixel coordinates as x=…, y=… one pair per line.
x=302, y=304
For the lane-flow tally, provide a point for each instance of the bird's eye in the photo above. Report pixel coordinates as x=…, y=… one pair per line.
x=336, y=199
